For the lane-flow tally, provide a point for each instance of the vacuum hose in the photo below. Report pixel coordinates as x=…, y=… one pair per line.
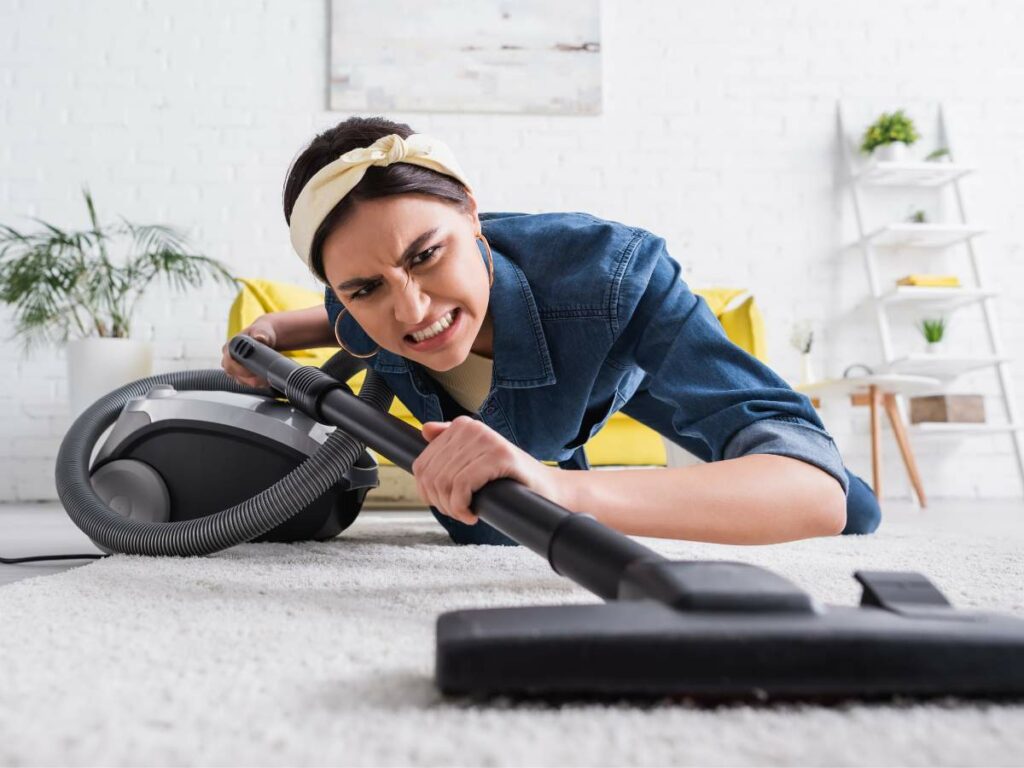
x=235, y=525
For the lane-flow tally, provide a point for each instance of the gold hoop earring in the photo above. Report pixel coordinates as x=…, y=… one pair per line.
x=490, y=258
x=341, y=344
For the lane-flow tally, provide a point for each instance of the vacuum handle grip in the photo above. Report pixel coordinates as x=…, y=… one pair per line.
x=262, y=360
x=391, y=436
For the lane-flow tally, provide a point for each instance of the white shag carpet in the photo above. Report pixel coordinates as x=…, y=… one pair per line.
x=322, y=654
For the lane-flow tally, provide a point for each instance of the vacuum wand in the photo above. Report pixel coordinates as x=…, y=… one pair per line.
x=575, y=545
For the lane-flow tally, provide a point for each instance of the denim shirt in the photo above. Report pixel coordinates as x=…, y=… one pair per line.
x=591, y=317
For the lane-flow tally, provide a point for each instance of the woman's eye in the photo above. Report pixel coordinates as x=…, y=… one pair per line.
x=429, y=253
x=419, y=259
x=364, y=292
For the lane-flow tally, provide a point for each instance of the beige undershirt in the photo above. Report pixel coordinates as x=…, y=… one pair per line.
x=469, y=382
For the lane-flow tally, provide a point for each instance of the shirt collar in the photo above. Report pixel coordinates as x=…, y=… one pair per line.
x=521, y=356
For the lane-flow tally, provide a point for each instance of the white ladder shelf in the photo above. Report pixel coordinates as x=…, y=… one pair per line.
x=906, y=235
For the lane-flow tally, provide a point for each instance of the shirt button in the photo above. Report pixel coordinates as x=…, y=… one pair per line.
x=489, y=409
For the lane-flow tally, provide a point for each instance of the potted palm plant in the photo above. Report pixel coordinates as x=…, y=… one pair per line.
x=888, y=137
x=81, y=287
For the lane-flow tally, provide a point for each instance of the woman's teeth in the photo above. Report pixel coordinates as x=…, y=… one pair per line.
x=436, y=328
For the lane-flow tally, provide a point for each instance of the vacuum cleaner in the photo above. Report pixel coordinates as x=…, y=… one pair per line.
x=707, y=631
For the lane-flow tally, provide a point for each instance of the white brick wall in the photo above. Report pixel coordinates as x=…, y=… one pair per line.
x=718, y=133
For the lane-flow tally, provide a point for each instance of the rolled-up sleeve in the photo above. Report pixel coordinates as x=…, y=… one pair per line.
x=700, y=390
x=791, y=437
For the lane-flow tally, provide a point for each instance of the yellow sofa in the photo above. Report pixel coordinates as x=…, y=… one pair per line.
x=622, y=441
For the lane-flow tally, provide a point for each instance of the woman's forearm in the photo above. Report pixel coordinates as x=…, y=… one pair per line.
x=302, y=329
x=753, y=499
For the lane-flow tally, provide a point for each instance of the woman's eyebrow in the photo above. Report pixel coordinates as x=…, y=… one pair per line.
x=411, y=250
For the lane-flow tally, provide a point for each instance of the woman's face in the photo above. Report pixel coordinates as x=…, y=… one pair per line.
x=399, y=264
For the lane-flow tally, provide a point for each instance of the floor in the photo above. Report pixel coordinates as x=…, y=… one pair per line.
x=44, y=529
x=325, y=654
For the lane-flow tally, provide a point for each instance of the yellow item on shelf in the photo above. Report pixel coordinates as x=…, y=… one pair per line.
x=622, y=441
x=930, y=281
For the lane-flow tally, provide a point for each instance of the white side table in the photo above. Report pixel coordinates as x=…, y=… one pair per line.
x=875, y=391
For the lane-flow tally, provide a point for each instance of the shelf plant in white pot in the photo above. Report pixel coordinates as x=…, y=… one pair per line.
x=888, y=137
x=81, y=288
x=933, y=330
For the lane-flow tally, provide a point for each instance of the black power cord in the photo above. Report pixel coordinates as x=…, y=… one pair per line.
x=37, y=558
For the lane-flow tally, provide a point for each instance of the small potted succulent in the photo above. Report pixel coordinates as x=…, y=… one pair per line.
x=80, y=287
x=802, y=339
x=933, y=330
x=889, y=136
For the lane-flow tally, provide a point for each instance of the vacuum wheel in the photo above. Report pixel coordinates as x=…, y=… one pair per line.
x=134, y=489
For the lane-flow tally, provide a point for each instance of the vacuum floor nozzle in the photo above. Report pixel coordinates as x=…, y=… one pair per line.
x=645, y=648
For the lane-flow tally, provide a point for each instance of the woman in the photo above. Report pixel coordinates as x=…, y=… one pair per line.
x=514, y=337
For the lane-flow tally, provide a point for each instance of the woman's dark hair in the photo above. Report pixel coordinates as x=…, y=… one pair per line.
x=379, y=181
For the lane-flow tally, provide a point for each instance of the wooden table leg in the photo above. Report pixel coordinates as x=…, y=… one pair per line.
x=874, y=398
x=908, y=455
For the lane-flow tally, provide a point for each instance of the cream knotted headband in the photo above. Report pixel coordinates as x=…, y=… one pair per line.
x=336, y=179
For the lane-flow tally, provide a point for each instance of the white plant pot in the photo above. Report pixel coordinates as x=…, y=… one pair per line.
x=933, y=347
x=896, y=152
x=97, y=366
x=807, y=373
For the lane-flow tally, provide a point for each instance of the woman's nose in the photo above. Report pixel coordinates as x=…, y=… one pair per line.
x=411, y=304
